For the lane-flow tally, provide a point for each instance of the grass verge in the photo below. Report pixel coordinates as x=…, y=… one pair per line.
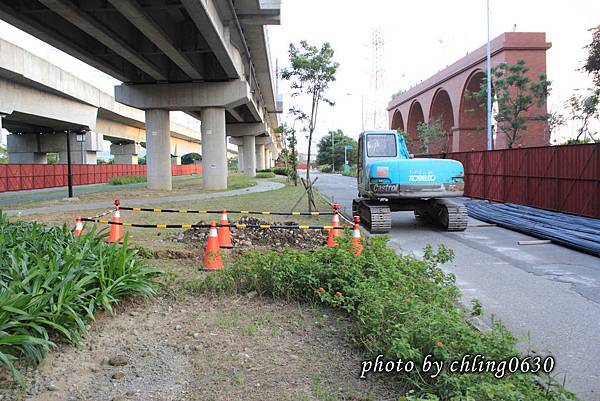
x=403, y=308
x=131, y=179
x=52, y=282
x=265, y=174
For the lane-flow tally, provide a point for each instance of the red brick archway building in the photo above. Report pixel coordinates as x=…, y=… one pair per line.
x=442, y=96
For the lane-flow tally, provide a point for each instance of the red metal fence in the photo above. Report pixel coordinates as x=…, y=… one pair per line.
x=561, y=178
x=16, y=177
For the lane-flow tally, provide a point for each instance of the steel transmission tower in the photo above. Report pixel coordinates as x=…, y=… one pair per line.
x=377, y=115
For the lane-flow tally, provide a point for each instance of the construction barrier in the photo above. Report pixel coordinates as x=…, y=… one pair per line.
x=159, y=210
x=219, y=234
x=236, y=226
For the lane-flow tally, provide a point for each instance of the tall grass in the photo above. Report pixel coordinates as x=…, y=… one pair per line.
x=128, y=179
x=52, y=282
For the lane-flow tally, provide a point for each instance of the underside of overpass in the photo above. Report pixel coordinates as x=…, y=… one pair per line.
x=443, y=98
x=208, y=58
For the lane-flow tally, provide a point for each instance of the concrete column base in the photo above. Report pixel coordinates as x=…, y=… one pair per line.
x=125, y=159
x=158, y=148
x=214, y=148
x=260, y=157
x=78, y=157
x=125, y=153
x=249, y=155
x=27, y=158
x=240, y=159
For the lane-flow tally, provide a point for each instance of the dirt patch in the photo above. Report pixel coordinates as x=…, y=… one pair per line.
x=251, y=238
x=201, y=348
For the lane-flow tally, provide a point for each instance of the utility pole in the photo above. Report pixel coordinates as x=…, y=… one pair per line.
x=488, y=67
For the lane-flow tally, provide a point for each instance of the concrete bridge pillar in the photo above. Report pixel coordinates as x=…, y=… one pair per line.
x=214, y=148
x=125, y=153
x=240, y=167
x=158, y=148
x=260, y=157
x=25, y=149
x=249, y=155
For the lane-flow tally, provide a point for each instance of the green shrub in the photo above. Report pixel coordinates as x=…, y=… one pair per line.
x=128, y=179
x=351, y=172
x=403, y=307
x=280, y=171
x=268, y=174
x=325, y=168
x=52, y=282
x=265, y=170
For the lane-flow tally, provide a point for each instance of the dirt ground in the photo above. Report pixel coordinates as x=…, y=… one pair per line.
x=183, y=345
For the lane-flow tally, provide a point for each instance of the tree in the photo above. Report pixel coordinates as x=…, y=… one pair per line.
x=515, y=93
x=586, y=107
x=190, y=157
x=554, y=120
x=326, y=152
x=311, y=72
x=3, y=155
x=592, y=64
x=289, y=155
x=432, y=136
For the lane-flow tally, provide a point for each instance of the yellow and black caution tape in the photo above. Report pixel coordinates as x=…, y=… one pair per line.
x=100, y=215
x=159, y=210
x=236, y=226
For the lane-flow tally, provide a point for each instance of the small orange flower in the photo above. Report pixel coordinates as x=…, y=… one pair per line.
x=440, y=344
x=321, y=289
x=338, y=294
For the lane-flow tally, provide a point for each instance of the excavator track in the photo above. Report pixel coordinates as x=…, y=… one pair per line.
x=376, y=218
x=450, y=215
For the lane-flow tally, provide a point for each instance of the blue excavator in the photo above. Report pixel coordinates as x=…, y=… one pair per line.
x=390, y=179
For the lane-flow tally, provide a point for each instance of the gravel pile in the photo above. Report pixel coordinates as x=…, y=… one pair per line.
x=248, y=238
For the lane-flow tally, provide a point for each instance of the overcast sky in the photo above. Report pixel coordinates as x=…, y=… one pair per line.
x=420, y=38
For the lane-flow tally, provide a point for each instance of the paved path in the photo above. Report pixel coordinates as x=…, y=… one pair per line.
x=32, y=195
x=548, y=292
x=261, y=186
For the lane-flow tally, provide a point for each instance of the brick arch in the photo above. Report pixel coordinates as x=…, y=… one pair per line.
x=415, y=116
x=397, y=121
x=441, y=109
x=472, y=120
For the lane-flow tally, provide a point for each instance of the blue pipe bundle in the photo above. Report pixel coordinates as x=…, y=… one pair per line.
x=577, y=232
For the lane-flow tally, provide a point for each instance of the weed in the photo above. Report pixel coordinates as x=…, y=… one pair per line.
x=403, y=307
x=477, y=309
x=51, y=282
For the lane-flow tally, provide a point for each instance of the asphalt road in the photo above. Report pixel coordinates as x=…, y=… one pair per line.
x=547, y=295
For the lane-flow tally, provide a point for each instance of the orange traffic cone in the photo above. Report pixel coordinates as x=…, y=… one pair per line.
x=78, y=227
x=212, y=254
x=335, y=222
x=116, y=230
x=224, y=231
x=331, y=238
x=356, y=244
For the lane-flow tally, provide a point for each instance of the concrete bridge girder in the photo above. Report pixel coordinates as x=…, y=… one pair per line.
x=24, y=106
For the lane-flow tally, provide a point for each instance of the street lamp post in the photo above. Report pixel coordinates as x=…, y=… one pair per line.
x=69, y=173
x=81, y=139
x=362, y=108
